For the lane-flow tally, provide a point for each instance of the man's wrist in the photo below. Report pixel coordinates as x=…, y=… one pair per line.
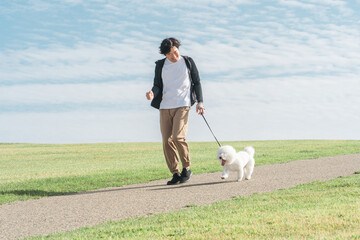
x=201, y=105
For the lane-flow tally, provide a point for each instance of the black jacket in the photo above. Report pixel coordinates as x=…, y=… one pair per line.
x=195, y=88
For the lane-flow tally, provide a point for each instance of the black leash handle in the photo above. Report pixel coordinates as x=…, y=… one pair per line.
x=211, y=130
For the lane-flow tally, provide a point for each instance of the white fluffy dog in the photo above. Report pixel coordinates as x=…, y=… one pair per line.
x=242, y=162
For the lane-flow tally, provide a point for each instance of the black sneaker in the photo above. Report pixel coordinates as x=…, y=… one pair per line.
x=185, y=175
x=175, y=180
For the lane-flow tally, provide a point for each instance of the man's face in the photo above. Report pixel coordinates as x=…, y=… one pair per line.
x=173, y=55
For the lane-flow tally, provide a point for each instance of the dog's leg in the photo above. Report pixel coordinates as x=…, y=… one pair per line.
x=240, y=174
x=248, y=174
x=225, y=173
x=249, y=170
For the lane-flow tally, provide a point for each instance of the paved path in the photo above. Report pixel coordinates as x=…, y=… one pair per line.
x=65, y=213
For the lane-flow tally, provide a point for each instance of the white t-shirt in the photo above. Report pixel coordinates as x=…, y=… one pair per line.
x=176, y=85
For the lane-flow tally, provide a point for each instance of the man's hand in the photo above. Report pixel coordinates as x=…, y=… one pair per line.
x=200, y=109
x=150, y=95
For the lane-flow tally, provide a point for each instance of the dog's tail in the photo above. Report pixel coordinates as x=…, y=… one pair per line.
x=250, y=150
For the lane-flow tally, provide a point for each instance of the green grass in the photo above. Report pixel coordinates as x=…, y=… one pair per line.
x=319, y=210
x=38, y=170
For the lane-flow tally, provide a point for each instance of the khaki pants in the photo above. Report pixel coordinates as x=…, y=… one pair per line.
x=174, y=125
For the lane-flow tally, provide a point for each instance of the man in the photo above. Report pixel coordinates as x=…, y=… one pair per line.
x=176, y=88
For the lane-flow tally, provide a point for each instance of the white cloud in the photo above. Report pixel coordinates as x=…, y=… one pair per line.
x=287, y=108
x=266, y=48
x=289, y=46
x=329, y=2
x=295, y=3
x=82, y=62
x=323, y=8
x=276, y=55
x=269, y=71
x=80, y=127
x=74, y=2
x=114, y=93
x=275, y=108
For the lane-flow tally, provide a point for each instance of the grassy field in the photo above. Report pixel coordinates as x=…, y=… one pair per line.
x=319, y=210
x=39, y=170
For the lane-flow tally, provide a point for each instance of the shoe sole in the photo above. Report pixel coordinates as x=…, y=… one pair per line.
x=169, y=183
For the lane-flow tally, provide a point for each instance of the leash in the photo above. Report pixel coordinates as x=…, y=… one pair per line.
x=211, y=130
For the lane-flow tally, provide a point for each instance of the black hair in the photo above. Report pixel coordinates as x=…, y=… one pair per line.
x=167, y=44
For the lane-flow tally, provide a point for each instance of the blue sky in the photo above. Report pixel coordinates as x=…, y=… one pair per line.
x=77, y=71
